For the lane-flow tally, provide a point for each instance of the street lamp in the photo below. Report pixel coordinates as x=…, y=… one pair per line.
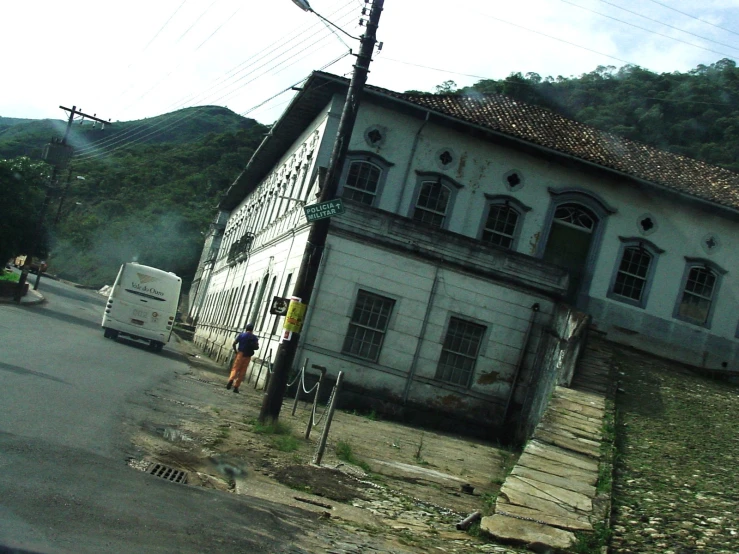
x=318, y=233
x=306, y=7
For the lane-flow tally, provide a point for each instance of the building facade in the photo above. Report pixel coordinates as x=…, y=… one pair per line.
x=469, y=222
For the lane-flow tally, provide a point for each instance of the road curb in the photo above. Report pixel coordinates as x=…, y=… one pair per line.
x=38, y=298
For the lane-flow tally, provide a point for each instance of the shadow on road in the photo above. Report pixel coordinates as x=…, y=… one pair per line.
x=24, y=371
x=67, y=318
x=76, y=295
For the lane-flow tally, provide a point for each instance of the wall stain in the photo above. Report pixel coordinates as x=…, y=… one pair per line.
x=451, y=401
x=535, y=242
x=462, y=163
x=488, y=378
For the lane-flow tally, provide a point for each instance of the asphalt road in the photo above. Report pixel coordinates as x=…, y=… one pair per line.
x=64, y=483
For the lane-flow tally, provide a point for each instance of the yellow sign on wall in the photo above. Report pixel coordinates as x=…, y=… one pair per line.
x=295, y=316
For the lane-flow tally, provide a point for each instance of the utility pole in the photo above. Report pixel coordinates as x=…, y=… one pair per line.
x=57, y=153
x=319, y=229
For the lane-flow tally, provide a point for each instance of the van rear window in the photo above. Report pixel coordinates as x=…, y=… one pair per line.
x=149, y=296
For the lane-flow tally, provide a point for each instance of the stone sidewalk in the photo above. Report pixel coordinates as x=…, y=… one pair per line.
x=550, y=494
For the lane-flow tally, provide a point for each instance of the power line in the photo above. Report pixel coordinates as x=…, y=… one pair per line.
x=163, y=127
x=668, y=25
x=555, y=38
x=285, y=41
x=163, y=26
x=694, y=17
x=149, y=131
x=647, y=30
x=534, y=85
x=197, y=20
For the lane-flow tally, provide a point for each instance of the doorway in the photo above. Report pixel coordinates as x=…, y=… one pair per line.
x=569, y=242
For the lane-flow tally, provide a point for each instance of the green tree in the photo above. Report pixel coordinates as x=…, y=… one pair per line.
x=22, y=183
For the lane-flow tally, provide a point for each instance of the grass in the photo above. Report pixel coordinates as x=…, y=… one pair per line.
x=280, y=433
x=604, y=484
x=285, y=443
x=592, y=543
x=345, y=454
x=9, y=276
x=224, y=431
x=272, y=428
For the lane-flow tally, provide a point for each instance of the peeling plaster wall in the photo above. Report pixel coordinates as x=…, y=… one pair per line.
x=681, y=228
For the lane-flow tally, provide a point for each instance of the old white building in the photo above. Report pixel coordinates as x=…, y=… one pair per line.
x=468, y=220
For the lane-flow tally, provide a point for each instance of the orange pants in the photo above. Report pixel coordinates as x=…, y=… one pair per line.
x=238, y=370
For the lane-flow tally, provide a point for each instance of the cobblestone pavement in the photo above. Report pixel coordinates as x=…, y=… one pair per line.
x=676, y=489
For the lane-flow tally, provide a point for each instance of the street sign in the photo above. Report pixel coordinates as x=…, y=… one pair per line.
x=322, y=210
x=279, y=306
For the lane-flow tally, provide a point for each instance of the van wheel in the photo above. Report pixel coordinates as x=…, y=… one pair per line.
x=108, y=333
x=157, y=346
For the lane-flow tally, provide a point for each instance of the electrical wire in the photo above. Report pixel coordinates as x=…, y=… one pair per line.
x=668, y=25
x=163, y=26
x=167, y=125
x=647, y=30
x=189, y=115
x=235, y=71
x=534, y=85
x=694, y=17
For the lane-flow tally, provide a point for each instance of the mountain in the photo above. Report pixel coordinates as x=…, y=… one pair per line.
x=27, y=137
x=695, y=114
x=141, y=190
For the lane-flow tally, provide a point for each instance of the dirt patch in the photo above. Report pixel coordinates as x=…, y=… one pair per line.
x=397, y=487
x=321, y=481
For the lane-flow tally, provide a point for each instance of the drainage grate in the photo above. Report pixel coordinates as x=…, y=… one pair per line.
x=168, y=473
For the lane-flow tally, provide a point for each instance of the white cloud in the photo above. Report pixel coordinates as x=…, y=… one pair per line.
x=238, y=53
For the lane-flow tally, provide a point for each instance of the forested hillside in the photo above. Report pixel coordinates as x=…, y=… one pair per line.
x=147, y=192
x=695, y=114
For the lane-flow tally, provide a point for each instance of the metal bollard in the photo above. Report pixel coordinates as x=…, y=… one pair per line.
x=322, y=369
x=297, y=389
x=324, y=435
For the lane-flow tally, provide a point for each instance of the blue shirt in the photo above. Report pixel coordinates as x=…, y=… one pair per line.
x=247, y=342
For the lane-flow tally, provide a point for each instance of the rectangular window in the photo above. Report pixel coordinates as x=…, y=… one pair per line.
x=459, y=352
x=362, y=181
x=631, y=277
x=500, y=226
x=433, y=199
x=698, y=295
x=368, y=326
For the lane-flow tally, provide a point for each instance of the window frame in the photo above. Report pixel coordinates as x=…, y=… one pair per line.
x=650, y=248
x=513, y=204
x=718, y=272
x=480, y=349
x=367, y=157
x=443, y=180
x=352, y=324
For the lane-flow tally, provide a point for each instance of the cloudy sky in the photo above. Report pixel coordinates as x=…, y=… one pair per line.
x=135, y=59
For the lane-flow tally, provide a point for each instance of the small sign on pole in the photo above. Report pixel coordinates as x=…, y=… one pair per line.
x=279, y=305
x=322, y=210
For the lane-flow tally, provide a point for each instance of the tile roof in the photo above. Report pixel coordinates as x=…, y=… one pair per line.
x=545, y=128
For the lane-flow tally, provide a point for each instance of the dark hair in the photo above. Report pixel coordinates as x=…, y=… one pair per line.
x=249, y=327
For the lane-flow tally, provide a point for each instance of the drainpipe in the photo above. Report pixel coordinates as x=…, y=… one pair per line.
x=410, y=161
x=421, y=335
x=521, y=358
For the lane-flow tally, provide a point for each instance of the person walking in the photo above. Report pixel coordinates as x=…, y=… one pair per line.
x=244, y=346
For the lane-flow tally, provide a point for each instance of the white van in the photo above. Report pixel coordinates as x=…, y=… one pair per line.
x=142, y=304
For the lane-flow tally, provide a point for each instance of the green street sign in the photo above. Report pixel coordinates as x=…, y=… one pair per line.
x=322, y=210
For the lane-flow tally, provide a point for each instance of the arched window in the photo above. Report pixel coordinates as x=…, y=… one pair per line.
x=500, y=226
x=362, y=182
x=634, y=271
x=698, y=292
x=431, y=206
x=575, y=216
x=363, y=177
